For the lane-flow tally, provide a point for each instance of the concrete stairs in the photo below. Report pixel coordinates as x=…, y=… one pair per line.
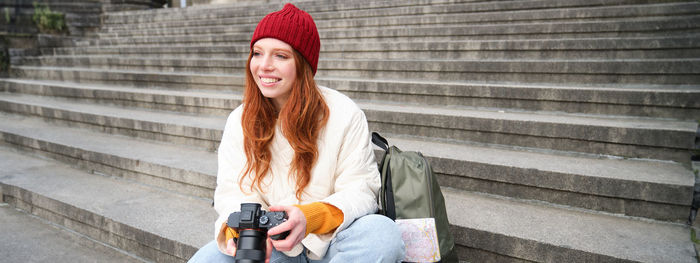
x=147, y=223
x=28, y=238
x=561, y=130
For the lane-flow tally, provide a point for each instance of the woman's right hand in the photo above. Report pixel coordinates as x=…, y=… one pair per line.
x=231, y=247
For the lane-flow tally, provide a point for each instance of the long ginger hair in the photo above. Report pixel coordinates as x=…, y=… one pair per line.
x=301, y=120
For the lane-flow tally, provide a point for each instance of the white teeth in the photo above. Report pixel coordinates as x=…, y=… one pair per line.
x=268, y=80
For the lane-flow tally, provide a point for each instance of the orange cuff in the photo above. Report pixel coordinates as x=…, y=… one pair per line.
x=230, y=232
x=321, y=218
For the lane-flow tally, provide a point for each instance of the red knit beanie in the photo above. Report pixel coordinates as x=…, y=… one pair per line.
x=294, y=27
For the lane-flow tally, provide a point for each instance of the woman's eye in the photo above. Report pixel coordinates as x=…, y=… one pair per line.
x=256, y=54
x=282, y=56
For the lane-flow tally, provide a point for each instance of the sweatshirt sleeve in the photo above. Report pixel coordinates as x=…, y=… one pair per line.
x=321, y=218
x=231, y=162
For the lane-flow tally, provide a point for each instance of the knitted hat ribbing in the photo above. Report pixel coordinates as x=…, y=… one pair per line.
x=294, y=27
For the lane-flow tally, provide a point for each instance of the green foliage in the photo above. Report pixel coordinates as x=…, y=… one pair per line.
x=48, y=21
x=693, y=237
x=8, y=18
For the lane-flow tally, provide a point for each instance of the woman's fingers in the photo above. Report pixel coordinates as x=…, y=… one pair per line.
x=296, y=225
x=268, y=250
x=231, y=247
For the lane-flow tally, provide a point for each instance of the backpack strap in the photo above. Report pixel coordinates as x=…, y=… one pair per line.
x=387, y=188
x=378, y=140
x=390, y=210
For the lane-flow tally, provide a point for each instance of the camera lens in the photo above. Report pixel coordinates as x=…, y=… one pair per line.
x=251, y=246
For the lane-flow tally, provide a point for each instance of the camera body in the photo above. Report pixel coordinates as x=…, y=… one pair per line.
x=252, y=224
x=252, y=216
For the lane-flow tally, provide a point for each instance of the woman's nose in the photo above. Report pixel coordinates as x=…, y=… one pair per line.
x=267, y=63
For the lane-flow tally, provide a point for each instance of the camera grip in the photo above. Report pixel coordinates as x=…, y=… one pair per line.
x=280, y=236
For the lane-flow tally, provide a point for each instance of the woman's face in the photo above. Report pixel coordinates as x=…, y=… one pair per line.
x=273, y=69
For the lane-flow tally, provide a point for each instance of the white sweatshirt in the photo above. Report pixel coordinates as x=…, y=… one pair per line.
x=345, y=174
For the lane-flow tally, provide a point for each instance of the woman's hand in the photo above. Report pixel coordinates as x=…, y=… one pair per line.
x=268, y=249
x=231, y=247
x=296, y=225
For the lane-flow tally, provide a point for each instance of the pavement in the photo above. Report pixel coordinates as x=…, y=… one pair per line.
x=27, y=238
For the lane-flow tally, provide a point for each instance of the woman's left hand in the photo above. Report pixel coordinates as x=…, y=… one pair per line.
x=296, y=225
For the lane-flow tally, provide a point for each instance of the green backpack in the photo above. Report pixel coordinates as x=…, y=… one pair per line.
x=410, y=190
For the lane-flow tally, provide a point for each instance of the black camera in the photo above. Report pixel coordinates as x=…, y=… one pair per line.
x=252, y=224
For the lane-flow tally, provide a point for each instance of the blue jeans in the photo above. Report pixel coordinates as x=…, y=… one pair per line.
x=371, y=238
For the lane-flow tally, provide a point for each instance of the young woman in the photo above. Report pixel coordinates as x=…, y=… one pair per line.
x=297, y=147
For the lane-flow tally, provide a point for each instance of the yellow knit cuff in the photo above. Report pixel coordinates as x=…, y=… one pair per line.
x=230, y=232
x=321, y=218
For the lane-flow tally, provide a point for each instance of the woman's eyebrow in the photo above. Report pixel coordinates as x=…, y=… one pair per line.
x=281, y=50
x=273, y=50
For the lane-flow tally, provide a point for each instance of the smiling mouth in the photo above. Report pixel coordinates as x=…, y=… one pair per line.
x=269, y=80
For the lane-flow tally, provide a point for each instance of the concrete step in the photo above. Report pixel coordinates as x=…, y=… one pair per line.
x=660, y=101
x=92, y=19
x=152, y=224
x=247, y=24
x=611, y=185
x=619, y=136
x=164, y=166
x=115, y=6
x=194, y=102
x=120, y=7
x=543, y=30
x=195, y=130
x=29, y=238
x=650, y=189
x=163, y=64
x=238, y=10
x=504, y=230
x=637, y=27
x=675, y=71
x=607, y=135
x=54, y=41
x=600, y=48
x=169, y=80
x=354, y=9
x=18, y=30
